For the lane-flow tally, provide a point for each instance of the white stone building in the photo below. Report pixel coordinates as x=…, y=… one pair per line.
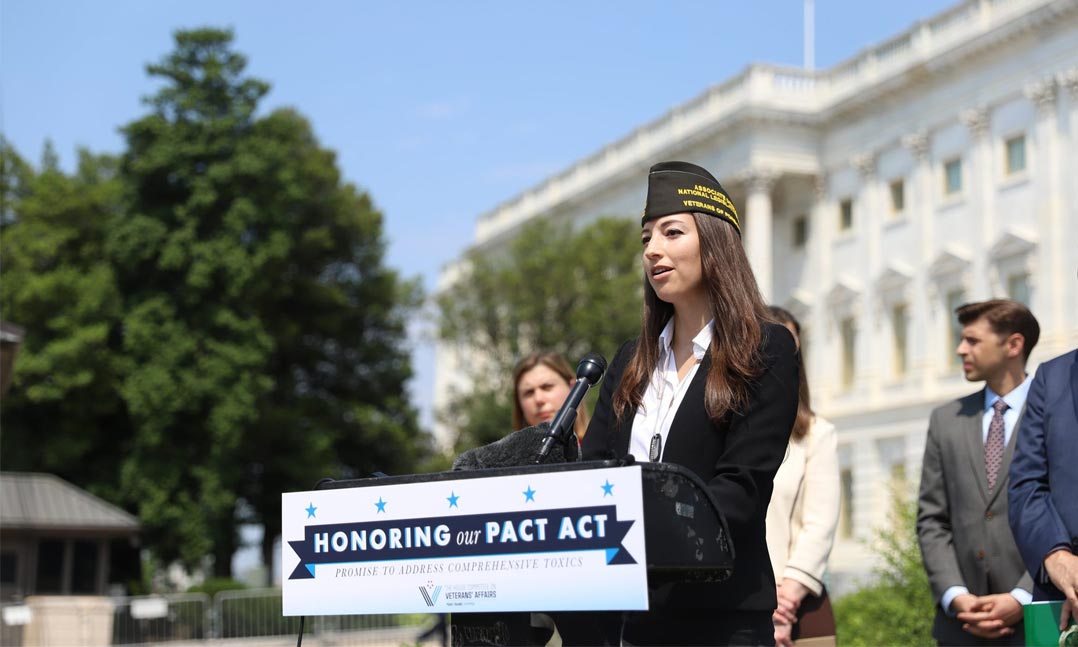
x=937, y=168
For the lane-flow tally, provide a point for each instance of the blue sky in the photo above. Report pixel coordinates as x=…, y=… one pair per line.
x=441, y=110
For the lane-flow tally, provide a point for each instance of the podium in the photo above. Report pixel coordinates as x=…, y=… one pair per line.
x=685, y=535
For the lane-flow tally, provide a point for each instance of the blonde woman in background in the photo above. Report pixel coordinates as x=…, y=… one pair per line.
x=541, y=382
x=803, y=514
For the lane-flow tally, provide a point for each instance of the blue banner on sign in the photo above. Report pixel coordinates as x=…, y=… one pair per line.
x=506, y=533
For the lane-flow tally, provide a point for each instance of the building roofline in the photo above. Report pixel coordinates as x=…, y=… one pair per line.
x=768, y=87
x=45, y=502
x=10, y=333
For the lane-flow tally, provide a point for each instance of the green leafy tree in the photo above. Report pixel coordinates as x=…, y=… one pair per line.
x=265, y=336
x=897, y=608
x=209, y=318
x=554, y=288
x=63, y=414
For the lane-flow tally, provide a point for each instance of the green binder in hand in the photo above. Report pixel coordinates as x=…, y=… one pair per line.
x=1042, y=625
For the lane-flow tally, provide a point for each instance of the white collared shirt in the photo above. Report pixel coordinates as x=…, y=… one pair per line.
x=665, y=392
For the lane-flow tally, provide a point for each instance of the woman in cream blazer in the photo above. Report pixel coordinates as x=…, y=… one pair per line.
x=803, y=513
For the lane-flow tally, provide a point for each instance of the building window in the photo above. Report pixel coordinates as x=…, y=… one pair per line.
x=1018, y=288
x=845, y=221
x=800, y=233
x=84, y=568
x=898, y=196
x=952, y=177
x=849, y=339
x=845, y=510
x=955, y=298
x=9, y=564
x=50, y=566
x=1016, y=154
x=899, y=338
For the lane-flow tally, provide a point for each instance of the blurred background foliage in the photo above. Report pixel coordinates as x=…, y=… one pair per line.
x=556, y=288
x=209, y=321
x=896, y=607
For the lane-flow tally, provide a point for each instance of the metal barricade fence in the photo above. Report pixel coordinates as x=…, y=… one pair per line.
x=241, y=618
x=56, y=620
x=160, y=618
x=253, y=613
x=248, y=613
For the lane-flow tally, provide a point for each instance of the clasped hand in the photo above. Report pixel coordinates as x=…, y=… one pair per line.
x=789, y=594
x=988, y=616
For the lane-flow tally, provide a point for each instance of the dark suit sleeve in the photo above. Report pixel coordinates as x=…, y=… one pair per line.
x=756, y=440
x=599, y=440
x=1035, y=522
x=935, y=533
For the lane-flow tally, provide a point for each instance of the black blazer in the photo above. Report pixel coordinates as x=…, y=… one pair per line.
x=737, y=458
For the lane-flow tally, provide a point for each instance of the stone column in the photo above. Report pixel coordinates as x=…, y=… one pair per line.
x=821, y=217
x=921, y=211
x=866, y=226
x=1049, y=283
x=980, y=204
x=867, y=217
x=1068, y=168
x=758, y=224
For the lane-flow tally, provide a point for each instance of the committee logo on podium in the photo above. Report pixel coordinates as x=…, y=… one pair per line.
x=430, y=593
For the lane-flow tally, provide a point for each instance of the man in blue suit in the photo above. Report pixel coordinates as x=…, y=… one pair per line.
x=1043, y=492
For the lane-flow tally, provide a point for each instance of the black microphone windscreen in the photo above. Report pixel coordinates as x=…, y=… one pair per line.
x=517, y=449
x=591, y=368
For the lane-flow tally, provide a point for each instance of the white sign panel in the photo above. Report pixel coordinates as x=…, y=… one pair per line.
x=556, y=541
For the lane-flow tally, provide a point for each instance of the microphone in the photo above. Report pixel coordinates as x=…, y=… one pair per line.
x=515, y=450
x=588, y=373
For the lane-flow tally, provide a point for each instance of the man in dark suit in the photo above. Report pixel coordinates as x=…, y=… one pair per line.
x=974, y=568
x=1044, y=484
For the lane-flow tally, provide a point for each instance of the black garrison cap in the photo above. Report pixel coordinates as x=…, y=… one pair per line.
x=680, y=187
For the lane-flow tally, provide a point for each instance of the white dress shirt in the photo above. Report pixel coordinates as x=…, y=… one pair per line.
x=664, y=393
x=1015, y=400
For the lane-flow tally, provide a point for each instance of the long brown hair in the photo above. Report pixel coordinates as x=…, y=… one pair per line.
x=738, y=312
x=805, y=414
x=557, y=363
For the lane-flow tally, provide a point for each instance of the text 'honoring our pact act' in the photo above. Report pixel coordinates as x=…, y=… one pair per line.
x=564, y=529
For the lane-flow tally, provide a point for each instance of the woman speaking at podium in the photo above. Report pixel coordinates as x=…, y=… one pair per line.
x=711, y=385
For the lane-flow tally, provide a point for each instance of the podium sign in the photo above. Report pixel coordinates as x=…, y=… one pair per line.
x=550, y=541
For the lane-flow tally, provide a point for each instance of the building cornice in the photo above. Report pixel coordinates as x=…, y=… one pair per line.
x=789, y=96
x=1014, y=241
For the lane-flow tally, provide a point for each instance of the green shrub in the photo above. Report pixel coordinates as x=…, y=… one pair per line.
x=897, y=608
x=215, y=585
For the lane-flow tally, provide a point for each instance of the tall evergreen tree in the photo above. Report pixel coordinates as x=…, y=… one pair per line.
x=63, y=414
x=265, y=334
x=211, y=317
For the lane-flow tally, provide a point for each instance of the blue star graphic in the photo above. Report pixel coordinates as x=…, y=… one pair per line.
x=529, y=494
x=608, y=488
x=381, y=505
x=310, y=510
x=452, y=498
